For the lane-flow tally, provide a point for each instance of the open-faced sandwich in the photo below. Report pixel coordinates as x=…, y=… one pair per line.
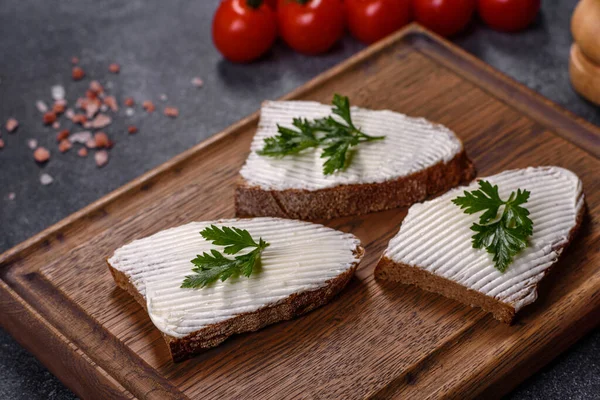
x=205, y=281
x=488, y=244
x=310, y=161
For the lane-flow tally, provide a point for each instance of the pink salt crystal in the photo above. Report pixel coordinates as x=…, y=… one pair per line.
x=197, y=82
x=46, y=179
x=81, y=137
x=91, y=110
x=90, y=144
x=111, y=102
x=41, y=106
x=32, y=144
x=101, y=158
x=12, y=124
x=101, y=121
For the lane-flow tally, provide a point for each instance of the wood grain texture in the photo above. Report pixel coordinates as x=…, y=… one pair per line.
x=373, y=340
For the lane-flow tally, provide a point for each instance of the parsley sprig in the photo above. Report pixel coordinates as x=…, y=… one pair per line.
x=212, y=266
x=335, y=135
x=503, y=236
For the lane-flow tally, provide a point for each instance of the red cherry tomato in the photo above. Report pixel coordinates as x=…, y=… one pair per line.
x=508, y=15
x=444, y=17
x=272, y=4
x=243, y=30
x=312, y=26
x=371, y=20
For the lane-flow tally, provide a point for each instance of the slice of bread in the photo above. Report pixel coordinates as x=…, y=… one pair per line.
x=304, y=267
x=433, y=248
x=416, y=160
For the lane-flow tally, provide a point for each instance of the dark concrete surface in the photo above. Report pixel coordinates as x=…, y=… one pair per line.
x=161, y=46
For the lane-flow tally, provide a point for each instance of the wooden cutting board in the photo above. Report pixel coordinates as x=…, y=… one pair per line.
x=58, y=299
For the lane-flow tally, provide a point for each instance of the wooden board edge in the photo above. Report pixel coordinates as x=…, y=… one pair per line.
x=9, y=300
x=551, y=115
x=54, y=350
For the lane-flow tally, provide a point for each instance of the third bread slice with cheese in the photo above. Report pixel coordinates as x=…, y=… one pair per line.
x=433, y=249
x=417, y=159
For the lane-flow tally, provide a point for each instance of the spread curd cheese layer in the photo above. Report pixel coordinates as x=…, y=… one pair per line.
x=436, y=235
x=301, y=257
x=411, y=145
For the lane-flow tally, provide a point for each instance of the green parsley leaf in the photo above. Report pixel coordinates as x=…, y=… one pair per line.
x=503, y=236
x=212, y=266
x=335, y=136
x=290, y=141
x=234, y=238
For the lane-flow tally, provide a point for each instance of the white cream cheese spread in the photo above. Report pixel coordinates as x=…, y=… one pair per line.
x=410, y=145
x=436, y=235
x=302, y=256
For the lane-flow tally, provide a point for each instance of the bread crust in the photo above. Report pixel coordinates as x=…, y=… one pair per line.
x=213, y=335
x=388, y=269
x=356, y=199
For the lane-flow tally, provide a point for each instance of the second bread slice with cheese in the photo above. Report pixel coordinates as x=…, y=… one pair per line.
x=417, y=159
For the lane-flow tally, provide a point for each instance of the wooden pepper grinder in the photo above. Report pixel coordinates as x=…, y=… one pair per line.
x=584, y=63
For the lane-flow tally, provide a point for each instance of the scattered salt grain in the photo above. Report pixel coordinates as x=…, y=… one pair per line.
x=111, y=102
x=56, y=125
x=49, y=118
x=58, y=92
x=64, y=145
x=129, y=112
x=148, y=106
x=90, y=144
x=197, y=82
x=11, y=196
x=96, y=87
x=41, y=106
x=104, y=108
x=163, y=97
x=81, y=137
x=41, y=155
x=101, y=121
x=46, y=179
x=101, y=158
x=12, y=124
x=69, y=113
x=101, y=139
x=77, y=73
x=74, y=60
x=91, y=110
x=32, y=144
x=62, y=135
x=171, y=112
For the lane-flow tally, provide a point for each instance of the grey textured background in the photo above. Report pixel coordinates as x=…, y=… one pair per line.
x=161, y=46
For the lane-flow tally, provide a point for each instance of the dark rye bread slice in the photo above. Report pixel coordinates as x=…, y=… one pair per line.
x=415, y=159
x=355, y=199
x=294, y=306
x=211, y=335
x=501, y=307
